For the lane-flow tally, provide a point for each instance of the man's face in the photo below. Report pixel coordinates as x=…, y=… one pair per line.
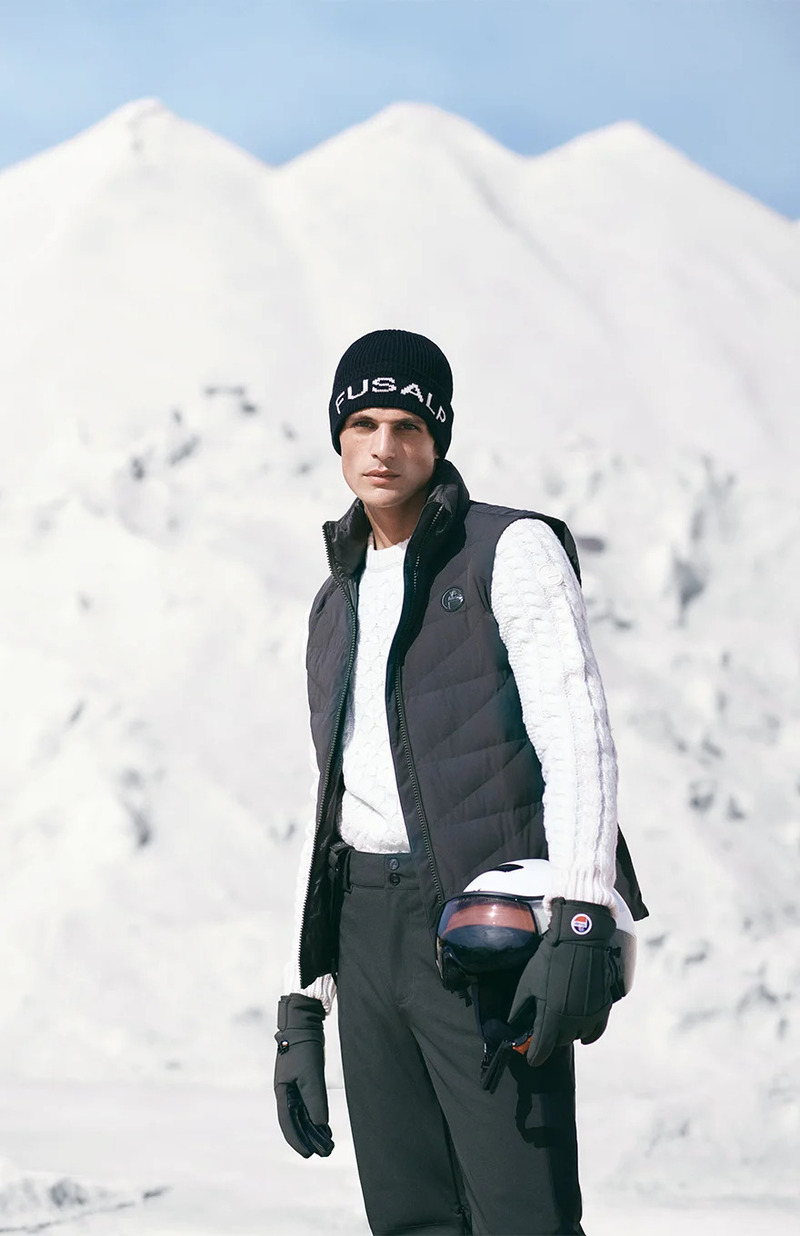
x=388, y=457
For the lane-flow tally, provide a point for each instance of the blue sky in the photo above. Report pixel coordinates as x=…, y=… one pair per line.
x=719, y=79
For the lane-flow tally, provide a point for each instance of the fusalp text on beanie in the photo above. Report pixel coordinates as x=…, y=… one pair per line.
x=394, y=369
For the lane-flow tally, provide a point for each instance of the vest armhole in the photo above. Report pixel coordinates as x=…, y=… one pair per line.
x=562, y=533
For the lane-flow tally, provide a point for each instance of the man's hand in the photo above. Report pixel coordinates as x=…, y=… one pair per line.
x=300, y=1076
x=565, y=991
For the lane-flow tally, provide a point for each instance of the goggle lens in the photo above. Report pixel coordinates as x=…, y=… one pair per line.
x=481, y=934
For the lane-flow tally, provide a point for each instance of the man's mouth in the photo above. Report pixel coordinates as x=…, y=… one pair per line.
x=382, y=476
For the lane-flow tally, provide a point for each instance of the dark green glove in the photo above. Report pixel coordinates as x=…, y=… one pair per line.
x=300, y=1076
x=565, y=991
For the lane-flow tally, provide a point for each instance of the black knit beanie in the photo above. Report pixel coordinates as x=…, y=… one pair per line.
x=394, y=369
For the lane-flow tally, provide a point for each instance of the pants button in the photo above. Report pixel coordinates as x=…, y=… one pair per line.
x=394, y=878
x=394, y=863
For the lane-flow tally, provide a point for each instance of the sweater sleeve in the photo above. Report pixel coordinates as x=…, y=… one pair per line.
x=324, y=987
x=540, y=612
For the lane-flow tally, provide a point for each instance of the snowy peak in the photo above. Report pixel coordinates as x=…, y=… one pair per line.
x=628, y=150
x=137, y=141
x=424, y=124
x=141, y=260
x=403, y=141
x=637, y=161
x=152, y=133
x=135, y=118
x=137, y=110
x=143, y=131
x=627, y=136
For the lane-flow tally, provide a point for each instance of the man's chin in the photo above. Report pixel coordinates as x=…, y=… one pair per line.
x=381, y=501
x=382, y=492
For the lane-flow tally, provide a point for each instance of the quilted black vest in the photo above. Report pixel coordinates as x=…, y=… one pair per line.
x=469, y=780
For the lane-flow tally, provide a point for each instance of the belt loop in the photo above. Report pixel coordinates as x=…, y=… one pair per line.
x=344, y=870
x=339, y=866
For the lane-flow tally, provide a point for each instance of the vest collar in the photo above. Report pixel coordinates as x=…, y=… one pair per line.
x=446, y=504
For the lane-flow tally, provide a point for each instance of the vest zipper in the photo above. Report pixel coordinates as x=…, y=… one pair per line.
x=339, y=717
x=401, y=713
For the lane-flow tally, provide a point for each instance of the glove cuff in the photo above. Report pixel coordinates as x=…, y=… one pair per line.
x=299, y=1012
x=580, y=922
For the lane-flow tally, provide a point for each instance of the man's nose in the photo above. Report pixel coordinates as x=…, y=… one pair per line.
x=383, y=442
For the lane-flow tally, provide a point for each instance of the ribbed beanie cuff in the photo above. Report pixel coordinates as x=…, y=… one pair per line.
x=394, y=369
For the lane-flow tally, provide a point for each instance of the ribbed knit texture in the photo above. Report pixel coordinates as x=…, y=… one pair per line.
x=413, y=366
x=371, y=816
x=542, y=621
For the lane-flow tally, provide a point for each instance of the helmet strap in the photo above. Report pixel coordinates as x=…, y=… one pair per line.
x=492, y=998
x=493, y=1065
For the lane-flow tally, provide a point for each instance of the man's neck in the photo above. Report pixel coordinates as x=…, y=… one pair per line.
x=393, y=527
x=384, y=536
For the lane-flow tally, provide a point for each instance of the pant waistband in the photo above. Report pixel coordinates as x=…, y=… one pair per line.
x=380, y=870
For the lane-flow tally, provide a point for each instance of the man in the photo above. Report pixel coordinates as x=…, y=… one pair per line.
x=459, y=722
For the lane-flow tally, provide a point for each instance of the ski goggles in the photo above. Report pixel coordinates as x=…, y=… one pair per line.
x=482, y=934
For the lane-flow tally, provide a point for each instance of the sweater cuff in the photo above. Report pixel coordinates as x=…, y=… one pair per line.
x=581, y=884
x=323, y=989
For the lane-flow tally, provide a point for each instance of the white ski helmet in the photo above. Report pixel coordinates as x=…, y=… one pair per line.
x=496, y=923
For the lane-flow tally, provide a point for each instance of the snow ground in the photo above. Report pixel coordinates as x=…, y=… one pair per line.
x=218, y=1155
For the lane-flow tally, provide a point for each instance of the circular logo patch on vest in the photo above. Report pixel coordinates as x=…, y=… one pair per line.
x=580, y=924
x=452, y=600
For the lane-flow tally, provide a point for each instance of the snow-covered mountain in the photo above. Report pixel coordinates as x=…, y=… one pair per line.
x=610, y=285
x=623, y=330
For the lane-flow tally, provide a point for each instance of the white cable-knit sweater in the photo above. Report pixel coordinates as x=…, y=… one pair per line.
x=541, y=617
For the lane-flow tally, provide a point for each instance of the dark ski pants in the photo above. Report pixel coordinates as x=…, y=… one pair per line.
x=435, y=1152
